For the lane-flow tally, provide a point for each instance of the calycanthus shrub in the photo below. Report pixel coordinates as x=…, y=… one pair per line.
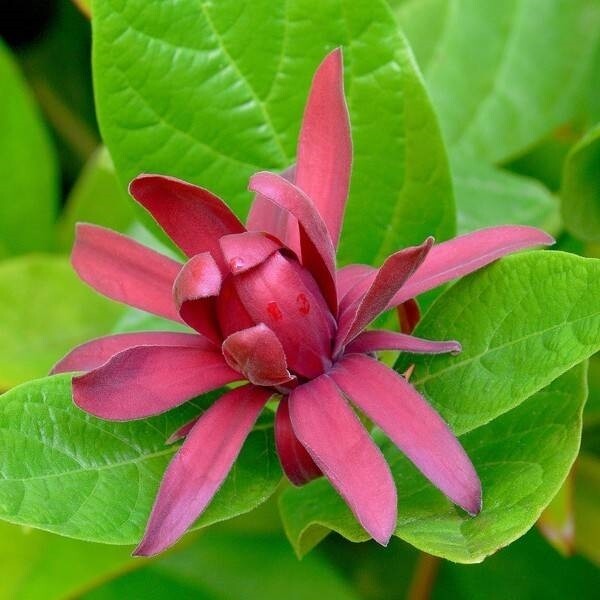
x=270, y=313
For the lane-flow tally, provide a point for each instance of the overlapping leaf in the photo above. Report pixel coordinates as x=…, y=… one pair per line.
x=214, y=91
x=69, y=473
x=502, y=74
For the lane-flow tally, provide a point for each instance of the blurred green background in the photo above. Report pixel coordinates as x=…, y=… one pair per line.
x=53, y=168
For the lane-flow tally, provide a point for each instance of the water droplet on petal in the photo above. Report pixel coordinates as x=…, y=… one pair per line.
x=303, y=304
x=236, y=264
x=274, y=311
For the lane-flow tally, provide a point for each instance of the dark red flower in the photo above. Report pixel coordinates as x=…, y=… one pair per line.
x=268, y=306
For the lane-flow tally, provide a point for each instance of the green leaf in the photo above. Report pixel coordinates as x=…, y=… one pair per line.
x=522, y=322
x=580, y=191
x=233, y=566
x=69, y=473
x=214, y=91
x=41, y=566
x=587, y=506
x=487, y=196
x=504, y=74
x=521, y=457
x=28, y=174
x=98, y=198
x=45, y=310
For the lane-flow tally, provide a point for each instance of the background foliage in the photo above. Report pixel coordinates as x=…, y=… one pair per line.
x=465, y=114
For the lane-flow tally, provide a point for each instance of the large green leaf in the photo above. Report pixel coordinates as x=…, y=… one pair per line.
x=214, y=91
x=234, y=566
x=521, y=322
x=502, y=74
x=522, y=458
x=487, y=196
x=36, y=565
x=69, y=473
x=580, y=191
x=98, y=198
x=28, y=175
x=44, y=311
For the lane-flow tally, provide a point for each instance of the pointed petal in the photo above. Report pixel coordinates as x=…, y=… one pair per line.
x=374, y=340
x=412, y=424
x=349, y=276
x=318, y=253
x=199, y=468
x=338, y=443
x=258, y=355
x=266, y=216
x=124, y=270
x=147, y=380
x=243, y=251
x=296, y=462
x=96, y=352
x=182, y=432
x=284, y=296
x=192, y=217
x=325, y=146
x=409, y=314
x=467, y=253
x=195, y=289
x=396, y=269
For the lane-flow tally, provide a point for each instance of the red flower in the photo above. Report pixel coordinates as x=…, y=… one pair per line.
x=268, y=306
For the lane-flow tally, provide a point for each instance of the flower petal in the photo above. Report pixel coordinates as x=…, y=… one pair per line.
x=412, y=424
x=338, y=443
x=257, y=354
x=243, y=251
x=325, y=146
x=195, y=289
x=296, y=462
x=124, y=270
x=192, y=217
x=374, y=340
x=349, y=276
x=467, y=253
x=182, y=432
x=409, y=314
x=96, y=352
x=284, y=296
x=318, y=253
x=147, y=380
x=266, y=216
x=199, y=468
x=390, y=277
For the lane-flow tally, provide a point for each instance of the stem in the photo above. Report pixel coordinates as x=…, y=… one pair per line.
x=424, y=577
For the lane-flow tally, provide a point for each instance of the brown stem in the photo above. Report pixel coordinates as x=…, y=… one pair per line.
x=423, y=580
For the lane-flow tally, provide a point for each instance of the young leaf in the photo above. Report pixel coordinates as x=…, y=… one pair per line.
x=487, y=196
x=67, y=472
x=45, y=310
x=214, y=91
x=502, y=75
x=587, y=506
x=580, y=192
x=28, y=174
x=521, y=457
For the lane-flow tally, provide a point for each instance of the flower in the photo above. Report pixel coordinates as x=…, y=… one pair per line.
x=267, y=306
